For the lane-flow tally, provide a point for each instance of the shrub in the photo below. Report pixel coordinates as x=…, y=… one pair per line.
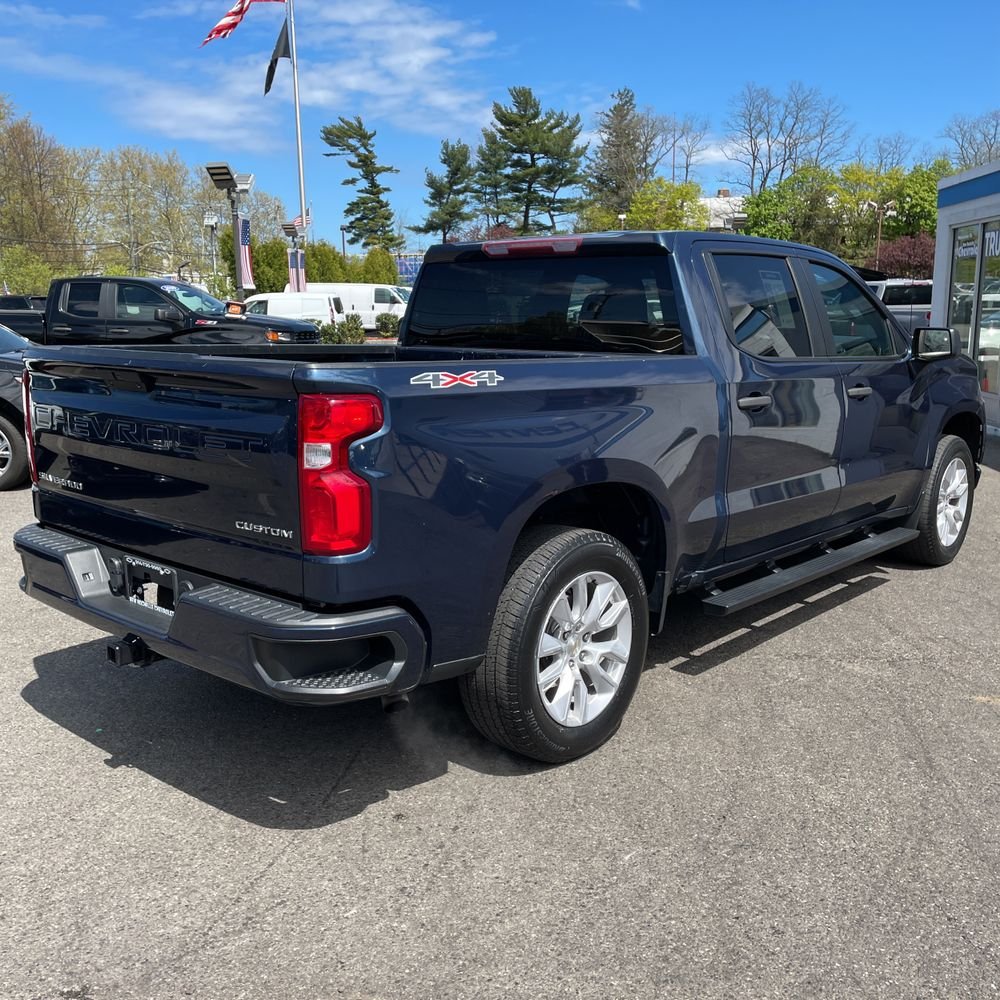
x=351, y=330
x=387, y=325
x=329, y=334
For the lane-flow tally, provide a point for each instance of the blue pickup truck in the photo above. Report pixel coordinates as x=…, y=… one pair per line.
x=570, y=430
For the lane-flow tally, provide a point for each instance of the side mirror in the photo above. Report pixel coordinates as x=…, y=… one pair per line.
x=168, y=315
x=932, y=343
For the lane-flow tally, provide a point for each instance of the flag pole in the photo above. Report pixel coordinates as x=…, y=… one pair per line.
x=298, y=116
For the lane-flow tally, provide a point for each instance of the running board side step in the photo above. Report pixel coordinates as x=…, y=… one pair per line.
x=726, y=602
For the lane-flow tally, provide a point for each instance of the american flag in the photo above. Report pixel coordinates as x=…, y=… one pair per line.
x=297, y=221
x=245, y=267
x=232, y=18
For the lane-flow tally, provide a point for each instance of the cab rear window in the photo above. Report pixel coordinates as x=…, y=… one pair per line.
x=572, y=303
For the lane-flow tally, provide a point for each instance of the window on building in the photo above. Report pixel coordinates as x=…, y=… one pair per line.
x=964, y=257
x=988, y=349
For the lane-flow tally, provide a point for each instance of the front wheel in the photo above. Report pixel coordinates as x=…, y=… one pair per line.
x=946, y=506
x=567, y=646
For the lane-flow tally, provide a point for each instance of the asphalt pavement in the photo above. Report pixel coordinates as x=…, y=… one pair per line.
x=803, y=802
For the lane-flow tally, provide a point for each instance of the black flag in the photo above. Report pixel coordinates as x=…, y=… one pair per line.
x=281, y=51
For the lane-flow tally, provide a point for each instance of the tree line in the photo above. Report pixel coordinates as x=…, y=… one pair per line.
x=793, y=155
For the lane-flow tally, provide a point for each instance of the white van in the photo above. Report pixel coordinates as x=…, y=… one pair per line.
x=312, y=306
x=365, y=300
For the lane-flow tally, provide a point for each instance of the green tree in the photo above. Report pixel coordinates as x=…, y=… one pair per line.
x=270, y=265
x=916, y=200
x=802, y=207
x=448, y=193
x=491, y=179
x=379, y=267
x=563, y=174
x=542, y=158
x=324, y=263
x=369, y=217
x=658, y=204
x=617, y=168
x=25, y=273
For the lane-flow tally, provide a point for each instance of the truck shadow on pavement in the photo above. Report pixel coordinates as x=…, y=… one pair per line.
x=692, y=642
x=288, y=767
x=274, y=765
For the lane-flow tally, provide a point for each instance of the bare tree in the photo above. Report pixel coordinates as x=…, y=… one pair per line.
x=771, y=136
x=975, y=140
x=692, y=141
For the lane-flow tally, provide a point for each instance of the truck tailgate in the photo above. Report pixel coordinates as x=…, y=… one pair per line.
x=191, y=468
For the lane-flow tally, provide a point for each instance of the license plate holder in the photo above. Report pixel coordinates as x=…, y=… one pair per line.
x=150, y=585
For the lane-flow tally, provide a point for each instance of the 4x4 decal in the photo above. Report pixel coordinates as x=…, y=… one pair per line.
x=445, y=380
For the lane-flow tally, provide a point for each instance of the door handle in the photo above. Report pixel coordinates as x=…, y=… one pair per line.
x=61, y=329
x=756, y=402
x=118, y=329
x=860, y=392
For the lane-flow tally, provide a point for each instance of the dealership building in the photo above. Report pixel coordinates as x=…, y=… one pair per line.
x=967, y=272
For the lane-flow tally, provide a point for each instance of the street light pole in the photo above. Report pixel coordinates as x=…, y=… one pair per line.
x=222, y=176
x=881, y=211
x=343, y=241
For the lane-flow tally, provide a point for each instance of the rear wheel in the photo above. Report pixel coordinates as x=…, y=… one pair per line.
x=567, y=646
x=946, y=506
x=13, y=455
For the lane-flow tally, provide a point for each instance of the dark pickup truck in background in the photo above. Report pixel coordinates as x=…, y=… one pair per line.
x=125, y=310
x=569, y=431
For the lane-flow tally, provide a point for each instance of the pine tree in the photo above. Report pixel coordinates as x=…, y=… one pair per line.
x=522, y=130
x=542, y=159
x=562, y=168
x=448, y=193
x=618, y=166
x=491, y=179
x=369, y=217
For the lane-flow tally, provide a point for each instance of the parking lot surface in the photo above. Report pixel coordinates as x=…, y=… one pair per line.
x=803, y=801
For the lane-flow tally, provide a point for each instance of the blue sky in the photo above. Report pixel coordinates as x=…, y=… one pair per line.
x=112, y=72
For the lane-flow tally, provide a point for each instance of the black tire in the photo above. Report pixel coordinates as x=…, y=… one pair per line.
x=929, y=549
x=13, y=455
x=502, y=696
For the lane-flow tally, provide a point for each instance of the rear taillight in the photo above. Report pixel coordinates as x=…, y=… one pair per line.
x=29, y=437
x=336, y=503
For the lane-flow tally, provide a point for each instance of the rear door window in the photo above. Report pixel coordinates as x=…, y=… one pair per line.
x=577, y=302
x=764, y=308
x=83, y=298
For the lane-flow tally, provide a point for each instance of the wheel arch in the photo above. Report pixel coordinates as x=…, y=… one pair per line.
x=968, y=426
x=12, y=413
x=627, y=511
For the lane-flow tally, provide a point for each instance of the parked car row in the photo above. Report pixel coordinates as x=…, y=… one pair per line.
x=104, y=309
x=331, y=302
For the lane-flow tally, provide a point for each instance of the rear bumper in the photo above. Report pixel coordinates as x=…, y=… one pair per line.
x=272, y=646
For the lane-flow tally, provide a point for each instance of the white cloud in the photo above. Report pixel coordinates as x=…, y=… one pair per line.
x=31, y=16
x=211, y=109
x=387, y=60
x=392, y=60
